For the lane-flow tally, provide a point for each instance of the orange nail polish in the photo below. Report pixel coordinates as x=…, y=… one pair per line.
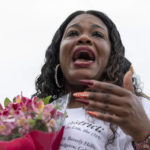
x=94, y=114
x=131, y=69
x=81, y=94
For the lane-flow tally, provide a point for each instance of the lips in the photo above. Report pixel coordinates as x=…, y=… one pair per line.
x=84, y=53
x=83, y=57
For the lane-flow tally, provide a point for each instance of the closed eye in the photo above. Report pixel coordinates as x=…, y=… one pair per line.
x=72, y=33
x=98, y=34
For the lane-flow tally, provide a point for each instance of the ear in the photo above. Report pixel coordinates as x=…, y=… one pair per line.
x=127, y=80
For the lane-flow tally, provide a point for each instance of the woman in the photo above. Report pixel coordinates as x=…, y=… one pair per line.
x=86, y=58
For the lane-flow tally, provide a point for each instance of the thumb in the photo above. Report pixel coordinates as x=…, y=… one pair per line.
x=127, y=80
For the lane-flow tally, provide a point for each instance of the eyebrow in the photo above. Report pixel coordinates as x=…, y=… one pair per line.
x=93, y=26
x=74, y=25
x=97, y=26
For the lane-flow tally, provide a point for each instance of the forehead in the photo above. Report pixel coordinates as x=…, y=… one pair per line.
x=87, y=19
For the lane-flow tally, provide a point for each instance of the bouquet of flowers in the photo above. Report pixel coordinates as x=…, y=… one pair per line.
x=30, y=124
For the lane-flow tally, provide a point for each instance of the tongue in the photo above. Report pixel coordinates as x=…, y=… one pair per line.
x=83, y=60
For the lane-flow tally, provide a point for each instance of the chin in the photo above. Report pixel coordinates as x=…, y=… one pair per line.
x=75, y=78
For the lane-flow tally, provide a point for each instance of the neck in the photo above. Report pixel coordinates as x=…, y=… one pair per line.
x=72, y=89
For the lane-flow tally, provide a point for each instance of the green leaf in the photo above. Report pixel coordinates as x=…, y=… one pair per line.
x=47, y=100
x=31, y=122
x=6, y=101
x=40, y=125
x=39, y=116
x=14, y=99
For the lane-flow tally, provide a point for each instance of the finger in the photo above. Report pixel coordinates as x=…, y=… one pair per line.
x=107, y=87
x=106, y=98
x=100, y=97
x=105, y=117
x=127, y=81
x=109, y=108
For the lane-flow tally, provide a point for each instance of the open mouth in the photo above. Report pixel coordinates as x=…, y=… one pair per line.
x=83, y=54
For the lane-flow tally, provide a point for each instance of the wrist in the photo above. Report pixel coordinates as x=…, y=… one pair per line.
x=142, y=142
x=144, y=145
x=142, y=136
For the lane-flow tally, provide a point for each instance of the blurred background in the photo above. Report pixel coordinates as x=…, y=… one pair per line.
x=27, y=27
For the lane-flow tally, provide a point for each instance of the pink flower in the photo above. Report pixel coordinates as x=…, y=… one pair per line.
x=5, y=112
x=52, y=123
x=18, y=99
x=48, y=112
x=15, y=106
x=37, y=105
x=24, y=114
x=6, y=128
x=26, y=105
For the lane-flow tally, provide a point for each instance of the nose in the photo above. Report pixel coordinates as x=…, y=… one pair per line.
x=84, y=39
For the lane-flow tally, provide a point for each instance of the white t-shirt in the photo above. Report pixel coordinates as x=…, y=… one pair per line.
x=83, y=132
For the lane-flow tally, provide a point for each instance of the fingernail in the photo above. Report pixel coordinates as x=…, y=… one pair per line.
x=94, y=114
x=81, y=94
x=131, y=69
x=86, y=82
x=82, y=101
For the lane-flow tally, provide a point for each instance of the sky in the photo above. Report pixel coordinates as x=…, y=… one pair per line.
x=27, y=27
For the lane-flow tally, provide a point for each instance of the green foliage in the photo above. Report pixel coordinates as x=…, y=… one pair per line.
x=6, y=101
x=39, y=116
x=15, y=134
x=31, y=122
x=40, y=125
x=47, y=100
x=14, y=99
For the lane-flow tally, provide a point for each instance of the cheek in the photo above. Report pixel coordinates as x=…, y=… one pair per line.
x=106, y=57
x=65, y=54
x=62, y=51
x=104, y=51
x=107, y=54
x=66, y=48
x=103, y=55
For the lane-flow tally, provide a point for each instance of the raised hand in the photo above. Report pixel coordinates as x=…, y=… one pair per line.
x=121, y=106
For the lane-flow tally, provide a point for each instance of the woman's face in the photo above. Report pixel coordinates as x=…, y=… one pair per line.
x=84, y=49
